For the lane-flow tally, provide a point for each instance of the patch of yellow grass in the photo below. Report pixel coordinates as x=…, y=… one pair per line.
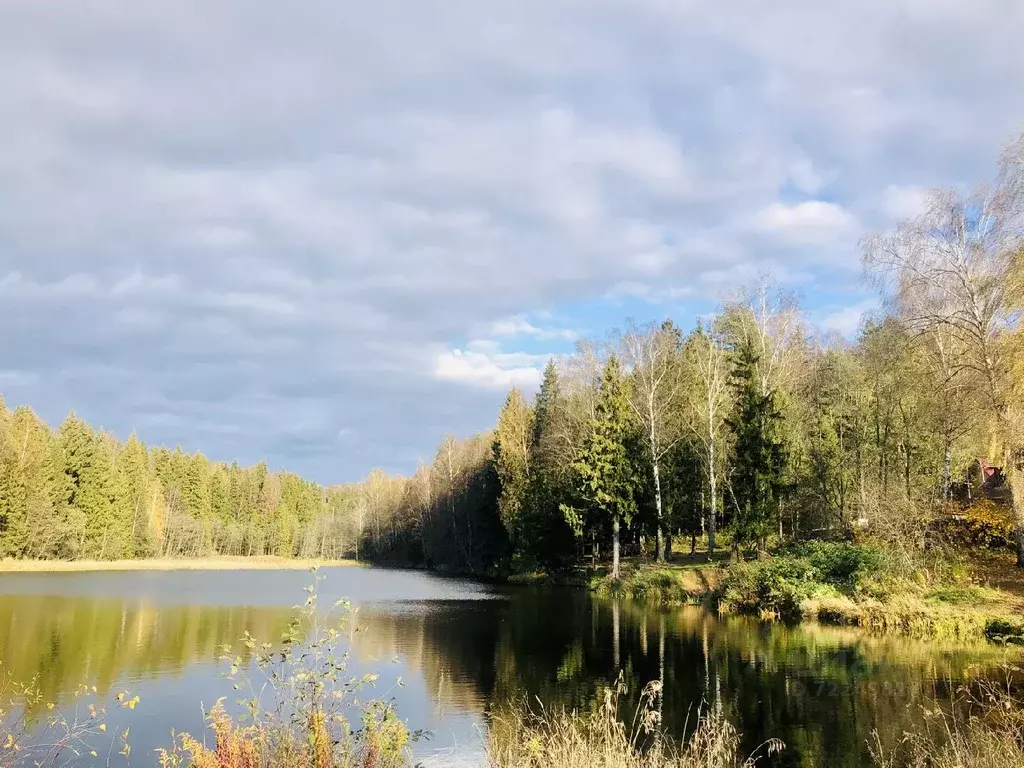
x=560, y=738
x=168, y=564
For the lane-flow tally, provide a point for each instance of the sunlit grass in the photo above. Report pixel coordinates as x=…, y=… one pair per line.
x=525, y=737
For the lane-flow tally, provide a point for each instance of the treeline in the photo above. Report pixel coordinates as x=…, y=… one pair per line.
x=78, y=493
x=750, y=422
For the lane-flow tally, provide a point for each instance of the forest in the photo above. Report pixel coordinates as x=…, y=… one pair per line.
x=78, y=493
x=752, y=428
x=746, y=429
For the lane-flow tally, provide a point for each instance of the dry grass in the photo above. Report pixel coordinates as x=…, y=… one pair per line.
x=528, y=738
x=988, y=733
x=168, y=564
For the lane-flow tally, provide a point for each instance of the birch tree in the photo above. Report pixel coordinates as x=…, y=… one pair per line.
x=705, y=406
x=948, y=270
x=651, y=354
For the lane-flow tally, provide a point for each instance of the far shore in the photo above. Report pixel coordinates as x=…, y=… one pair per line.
x=168, y=564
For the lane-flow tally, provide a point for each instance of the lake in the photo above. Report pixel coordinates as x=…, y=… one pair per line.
x=463, y=648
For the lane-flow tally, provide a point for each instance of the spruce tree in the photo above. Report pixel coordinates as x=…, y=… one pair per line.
x=133, y=470
x=88, y=469
x=758, y=454
x=548, y=536
x=605, y=474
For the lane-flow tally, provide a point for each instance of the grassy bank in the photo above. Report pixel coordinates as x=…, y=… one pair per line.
x=839, y=583
x=167, y=564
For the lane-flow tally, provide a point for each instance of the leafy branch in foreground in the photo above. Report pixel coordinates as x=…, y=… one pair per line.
x=37, y=732
x=301, y=703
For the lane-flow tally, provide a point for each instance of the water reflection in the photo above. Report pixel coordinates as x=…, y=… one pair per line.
x=467, y=652
x=62, y=642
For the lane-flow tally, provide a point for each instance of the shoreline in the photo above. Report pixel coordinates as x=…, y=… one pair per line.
x=268, y=563
x=975, y=613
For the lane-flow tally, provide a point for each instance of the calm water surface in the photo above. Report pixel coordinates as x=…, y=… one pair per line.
x=463, y=649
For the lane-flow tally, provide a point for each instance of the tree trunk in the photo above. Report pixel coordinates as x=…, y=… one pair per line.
x=713, y=513
x=615, y=546
x=660, y=540
x=947, y=469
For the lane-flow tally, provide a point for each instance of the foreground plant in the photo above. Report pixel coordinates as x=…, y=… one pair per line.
x=36, y=732
x=985, y=729
x=539, y=738
x=300, y=705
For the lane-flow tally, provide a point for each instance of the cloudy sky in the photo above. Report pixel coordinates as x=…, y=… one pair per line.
x=325, y=233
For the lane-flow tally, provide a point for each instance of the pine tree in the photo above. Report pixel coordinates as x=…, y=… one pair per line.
x=547, y=535
x=133, y=468
x=603, y=468
x=758, y=455
x=88, y=469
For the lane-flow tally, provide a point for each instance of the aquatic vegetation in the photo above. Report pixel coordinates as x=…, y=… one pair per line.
x=527, y=737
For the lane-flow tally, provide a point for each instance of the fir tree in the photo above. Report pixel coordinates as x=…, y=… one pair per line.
x=758, y=455
x=548, y=536
x=606, y=476
x=88, y=469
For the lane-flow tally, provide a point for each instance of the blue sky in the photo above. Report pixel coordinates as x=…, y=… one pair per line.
x=327, y=233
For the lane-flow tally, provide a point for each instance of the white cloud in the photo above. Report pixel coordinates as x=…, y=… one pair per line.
x=813, y=221
x=493, y=370
x=518, y=325
x=266, y=220
x=846, y=321
x=899, y=202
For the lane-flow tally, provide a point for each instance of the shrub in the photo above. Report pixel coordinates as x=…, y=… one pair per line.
x=984, y=524
x=303, y=724
x=777, y=586
x=840, y=564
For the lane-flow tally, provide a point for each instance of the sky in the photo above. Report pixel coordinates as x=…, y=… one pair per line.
x=326, y=233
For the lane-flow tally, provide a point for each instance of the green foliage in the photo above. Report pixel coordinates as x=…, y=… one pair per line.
x=77, y=494
x=512, y=453
x=779, y=585
x=1006, y=630
x=847, y=567
x=603, y=471
x=301, y=698
x=758, y=458
x=776, y=586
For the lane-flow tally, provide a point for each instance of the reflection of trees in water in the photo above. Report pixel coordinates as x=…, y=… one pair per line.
x=823, y=690
x=64, y=642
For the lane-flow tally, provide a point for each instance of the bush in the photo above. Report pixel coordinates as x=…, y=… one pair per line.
x=777, y=586
x=982, y=525
x=842, y=565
